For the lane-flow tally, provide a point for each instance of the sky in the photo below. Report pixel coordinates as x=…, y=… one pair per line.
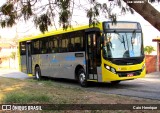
x=23, y=29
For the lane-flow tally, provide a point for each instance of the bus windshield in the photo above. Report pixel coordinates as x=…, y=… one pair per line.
x=122, y=45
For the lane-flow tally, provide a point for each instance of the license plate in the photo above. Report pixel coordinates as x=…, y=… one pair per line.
x=130, y=74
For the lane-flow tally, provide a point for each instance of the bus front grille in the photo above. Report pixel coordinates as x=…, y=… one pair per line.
x=129, y=73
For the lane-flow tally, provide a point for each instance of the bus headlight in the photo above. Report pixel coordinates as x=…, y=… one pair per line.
x=143, y=67
x=107, y=67
x=113, y=70
x=110, y=68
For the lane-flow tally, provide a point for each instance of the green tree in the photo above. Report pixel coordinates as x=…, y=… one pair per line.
x=148, y=12
x=13, y=55
x=43, y=15
x=149, y=49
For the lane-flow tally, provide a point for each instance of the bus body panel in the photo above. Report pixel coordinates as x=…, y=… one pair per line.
x=59, y=65
x=99, y=73
x=23, y=64
x=129, y=69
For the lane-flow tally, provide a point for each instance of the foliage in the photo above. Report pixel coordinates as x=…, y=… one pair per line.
x=9, y=13
x=43, y=22
x=149, y=49
x=44, y=14
x=13, y=55
x=27, y=10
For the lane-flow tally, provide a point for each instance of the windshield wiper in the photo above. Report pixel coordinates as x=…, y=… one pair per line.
x=123, y=42
x=133, y=39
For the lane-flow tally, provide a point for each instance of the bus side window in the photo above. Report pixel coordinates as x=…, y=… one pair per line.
x=70, y=47
x=63, y=49
x=36, y=47
x=50, y=45
x=43, y=45
x=72, y=42
x=60, y=45
x=78, y=43
x=23, y=48
x=55, y=46
x=77, y=46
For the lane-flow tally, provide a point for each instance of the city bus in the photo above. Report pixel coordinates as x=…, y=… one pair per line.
x=107, y=52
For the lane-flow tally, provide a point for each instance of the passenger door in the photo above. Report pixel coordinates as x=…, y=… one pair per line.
x=92, y=60
x=28, y=58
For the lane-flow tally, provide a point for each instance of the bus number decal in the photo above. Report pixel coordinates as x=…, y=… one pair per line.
x=79, y=55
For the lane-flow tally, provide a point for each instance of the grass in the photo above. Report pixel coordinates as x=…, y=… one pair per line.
x=19, y=97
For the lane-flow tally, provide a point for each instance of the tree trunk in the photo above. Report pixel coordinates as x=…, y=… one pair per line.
x=148, y=12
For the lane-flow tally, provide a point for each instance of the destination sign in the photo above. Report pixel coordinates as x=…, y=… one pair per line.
x=122, y=25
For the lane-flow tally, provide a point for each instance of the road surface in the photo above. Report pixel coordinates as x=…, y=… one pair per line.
x=12, y=73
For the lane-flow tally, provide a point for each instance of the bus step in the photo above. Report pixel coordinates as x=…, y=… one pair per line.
x=93, y=76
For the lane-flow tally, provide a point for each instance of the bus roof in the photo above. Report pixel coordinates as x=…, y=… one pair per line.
x=60, y=31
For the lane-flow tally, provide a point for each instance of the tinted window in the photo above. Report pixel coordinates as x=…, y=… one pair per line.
x=78, y=38
x=64, y=45
x=68, y=42
x=71, y=42
x=23, y=48
x=44, y=45
x=53, y=45
x=36, y=48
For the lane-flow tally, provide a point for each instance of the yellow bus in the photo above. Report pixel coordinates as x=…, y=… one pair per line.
x=104, y=53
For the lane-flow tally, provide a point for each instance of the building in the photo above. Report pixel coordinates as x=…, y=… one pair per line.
x=8, y=53
x=158, y=53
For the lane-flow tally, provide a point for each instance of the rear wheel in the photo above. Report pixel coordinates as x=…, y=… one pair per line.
x=37, y=73
x=82, y=78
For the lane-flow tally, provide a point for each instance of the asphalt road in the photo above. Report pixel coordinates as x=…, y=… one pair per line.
x=148, y=87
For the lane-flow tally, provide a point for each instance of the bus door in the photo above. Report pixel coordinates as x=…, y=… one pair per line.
x=28, y=58
x=91, y=53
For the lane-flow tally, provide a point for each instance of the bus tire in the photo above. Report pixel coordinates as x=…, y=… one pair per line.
x=115, y=82
x=82, y=78
x=38, y=73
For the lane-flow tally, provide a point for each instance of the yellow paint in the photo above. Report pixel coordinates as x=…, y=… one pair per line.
x=110, y=76
x=19, y=58
x=60, y=31
x=30, y=75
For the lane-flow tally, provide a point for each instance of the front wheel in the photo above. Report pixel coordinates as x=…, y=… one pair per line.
x=37, y=73
x=82, y=78
x=115, y=82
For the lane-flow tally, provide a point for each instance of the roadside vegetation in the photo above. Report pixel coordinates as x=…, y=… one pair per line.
x=29, y=91
x=148, y=49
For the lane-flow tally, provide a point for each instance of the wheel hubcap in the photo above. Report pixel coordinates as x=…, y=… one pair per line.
x=37, y=75
x=82, y=77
